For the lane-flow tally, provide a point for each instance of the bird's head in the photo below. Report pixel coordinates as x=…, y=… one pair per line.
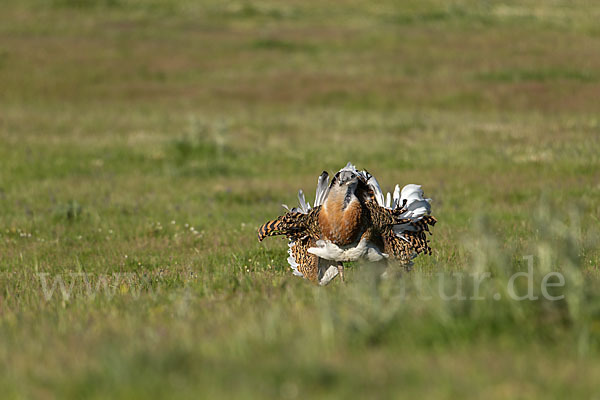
x=345, y=178
x=345, y=181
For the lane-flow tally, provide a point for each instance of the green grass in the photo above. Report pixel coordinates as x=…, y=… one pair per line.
x=143, y=142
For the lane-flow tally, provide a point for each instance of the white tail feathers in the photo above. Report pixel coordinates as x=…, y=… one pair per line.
x=373, y=184
x=304, y=205
x=396, y=197
x=322, y=189
x=416, y=205
x=331, y=251
x=411, y=197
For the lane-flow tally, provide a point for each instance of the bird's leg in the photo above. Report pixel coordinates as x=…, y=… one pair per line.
x=340, y=267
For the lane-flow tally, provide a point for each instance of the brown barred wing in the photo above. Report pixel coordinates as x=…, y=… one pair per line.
x=293, y=225
x=407, y=240
x=270, y=228
x=290, y=224
x=403, y=238
x=397, y=248
x=302, y=262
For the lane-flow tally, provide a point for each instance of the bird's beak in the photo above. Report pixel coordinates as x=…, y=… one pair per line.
x=346, y=177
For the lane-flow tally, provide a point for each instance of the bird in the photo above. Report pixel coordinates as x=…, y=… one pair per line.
x=351, y=220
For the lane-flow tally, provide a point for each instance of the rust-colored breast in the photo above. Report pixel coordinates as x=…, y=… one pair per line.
x=341, y=226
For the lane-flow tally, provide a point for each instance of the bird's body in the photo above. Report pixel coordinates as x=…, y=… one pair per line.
x=349, y=222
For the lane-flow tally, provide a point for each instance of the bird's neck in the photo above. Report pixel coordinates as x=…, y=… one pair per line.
x=340, y=217
x=339, y=200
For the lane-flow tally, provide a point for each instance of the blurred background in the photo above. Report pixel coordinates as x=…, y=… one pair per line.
x=152, y=137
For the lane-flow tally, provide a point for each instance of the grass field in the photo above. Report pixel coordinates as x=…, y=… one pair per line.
x=143, y=142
